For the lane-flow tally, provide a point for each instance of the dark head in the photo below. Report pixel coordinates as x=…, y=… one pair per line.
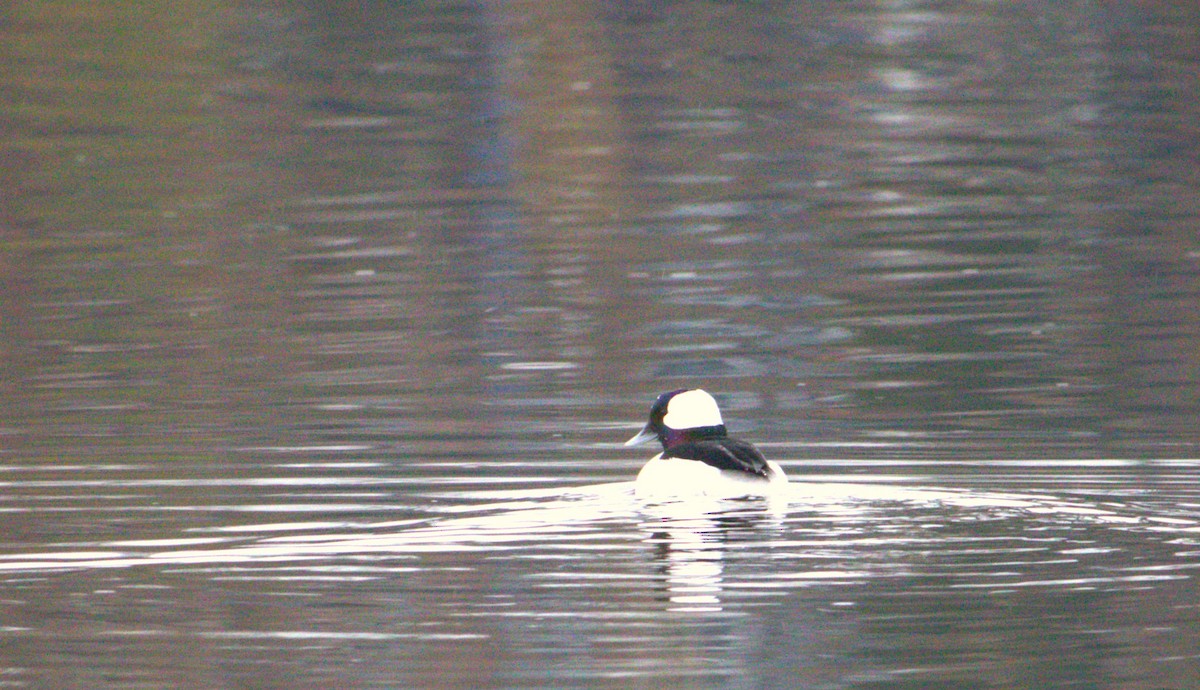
x=681, y=416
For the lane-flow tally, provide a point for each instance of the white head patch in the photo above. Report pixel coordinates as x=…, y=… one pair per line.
x=692, y=409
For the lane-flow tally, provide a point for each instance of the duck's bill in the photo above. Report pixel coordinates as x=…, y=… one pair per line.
x=646, y=434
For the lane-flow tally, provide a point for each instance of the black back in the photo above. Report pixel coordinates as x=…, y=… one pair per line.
x=723, y=453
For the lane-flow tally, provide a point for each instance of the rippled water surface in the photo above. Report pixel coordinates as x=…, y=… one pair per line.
x=323, y=324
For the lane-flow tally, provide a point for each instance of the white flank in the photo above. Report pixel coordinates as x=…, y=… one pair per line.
x=675, y=478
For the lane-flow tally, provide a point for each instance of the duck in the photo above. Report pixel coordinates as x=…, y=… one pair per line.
x=698, y=456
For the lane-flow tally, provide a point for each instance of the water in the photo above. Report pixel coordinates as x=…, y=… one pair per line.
x=323, y=327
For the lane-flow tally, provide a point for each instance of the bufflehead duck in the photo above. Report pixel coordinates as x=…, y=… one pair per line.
x=698, y=457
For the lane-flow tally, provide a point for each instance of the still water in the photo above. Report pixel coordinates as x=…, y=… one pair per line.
x=323, y=323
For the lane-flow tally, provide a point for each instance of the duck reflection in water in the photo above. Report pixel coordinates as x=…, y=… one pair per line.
x=690, y=543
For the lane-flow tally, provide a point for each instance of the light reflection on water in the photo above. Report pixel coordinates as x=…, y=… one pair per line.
x=886, y=513
x=593, y=562
x=535, y=568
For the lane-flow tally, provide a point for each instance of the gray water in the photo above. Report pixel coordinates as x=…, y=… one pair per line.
x=323, y=324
